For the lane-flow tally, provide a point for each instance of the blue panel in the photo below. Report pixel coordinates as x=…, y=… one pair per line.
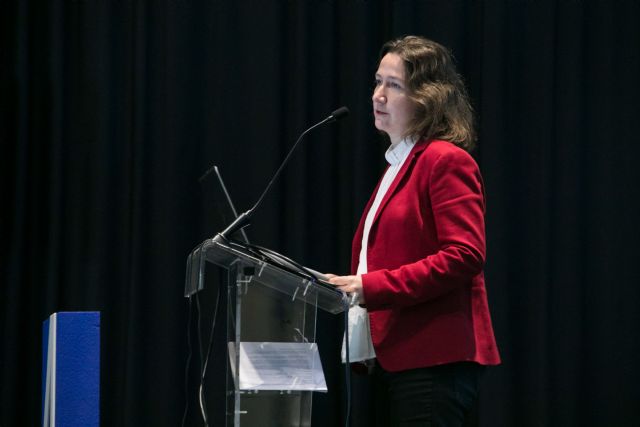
x=77, y=387
x=78, y=369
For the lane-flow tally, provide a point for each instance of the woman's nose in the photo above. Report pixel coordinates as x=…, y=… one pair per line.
x=378, y=95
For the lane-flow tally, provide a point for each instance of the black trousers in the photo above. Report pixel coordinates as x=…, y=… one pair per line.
x=440, y=396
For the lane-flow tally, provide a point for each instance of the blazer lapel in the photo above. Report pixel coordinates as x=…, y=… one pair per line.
x=404, y=170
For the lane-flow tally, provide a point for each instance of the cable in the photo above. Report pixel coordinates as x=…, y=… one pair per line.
x=187, y=365
x=283, y=262
x=203, y=410
x=203, y=372
x=347, y=365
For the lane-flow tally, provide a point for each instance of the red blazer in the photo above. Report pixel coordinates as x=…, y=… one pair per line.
x=425, y=290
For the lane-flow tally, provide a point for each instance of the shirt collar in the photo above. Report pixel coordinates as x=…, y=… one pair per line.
x=397, y=153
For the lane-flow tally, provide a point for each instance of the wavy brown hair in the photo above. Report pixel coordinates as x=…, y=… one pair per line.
x=443, y=110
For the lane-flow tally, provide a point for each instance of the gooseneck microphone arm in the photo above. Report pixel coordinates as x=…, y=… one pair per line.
x=244, y=218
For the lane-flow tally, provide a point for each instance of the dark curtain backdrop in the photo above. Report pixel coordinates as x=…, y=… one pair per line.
x=111, y=110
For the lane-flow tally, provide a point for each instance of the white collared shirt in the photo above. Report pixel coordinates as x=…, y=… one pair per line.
x=360, y=345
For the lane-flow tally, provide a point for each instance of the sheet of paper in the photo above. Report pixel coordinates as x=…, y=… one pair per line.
x=279, y=366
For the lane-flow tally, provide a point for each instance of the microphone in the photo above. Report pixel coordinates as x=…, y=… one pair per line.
x=244, y=218
x=338, y=114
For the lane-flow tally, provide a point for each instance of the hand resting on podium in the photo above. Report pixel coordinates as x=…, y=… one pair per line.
x=351, y=285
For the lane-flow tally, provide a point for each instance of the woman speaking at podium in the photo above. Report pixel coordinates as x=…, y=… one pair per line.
x=422, y=325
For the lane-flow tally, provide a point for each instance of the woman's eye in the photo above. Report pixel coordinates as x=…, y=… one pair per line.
x=377, y=82
x=395, y=85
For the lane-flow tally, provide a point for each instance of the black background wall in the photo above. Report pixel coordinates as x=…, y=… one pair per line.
x=111, y=110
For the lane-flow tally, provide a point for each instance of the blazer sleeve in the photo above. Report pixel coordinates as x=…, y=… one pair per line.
x=456, y=196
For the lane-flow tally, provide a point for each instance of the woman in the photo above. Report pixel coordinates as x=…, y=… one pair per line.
x=419, y=250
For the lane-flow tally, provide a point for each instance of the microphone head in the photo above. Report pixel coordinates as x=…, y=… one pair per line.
x=339, y=113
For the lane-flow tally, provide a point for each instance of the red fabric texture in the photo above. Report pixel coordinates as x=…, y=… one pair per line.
x=425, y=289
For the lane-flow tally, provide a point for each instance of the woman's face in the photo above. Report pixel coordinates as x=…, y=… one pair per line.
x=392, y=108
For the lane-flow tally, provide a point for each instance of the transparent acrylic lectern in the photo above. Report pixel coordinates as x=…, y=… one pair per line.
x=274, y=364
